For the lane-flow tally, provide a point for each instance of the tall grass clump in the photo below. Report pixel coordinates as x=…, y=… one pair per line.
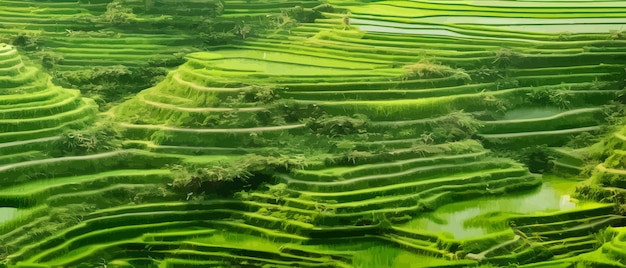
x=427, y=68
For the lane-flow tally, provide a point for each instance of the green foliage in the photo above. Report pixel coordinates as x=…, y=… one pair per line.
x=265, y=95
x=103, y=136
x=117, y=14
x=615, y=114
x=173, y=60
x=589, y=168
x=544, y=96
x=538, y=96
x=591, y=191
x=582, y=140
x=495, y=104
x=485, y=74
x=324, y=208
x=560, y=98
x=227, y=178
x=109, y=85
x=278, y=191
x=152, y=194
x=504, y=58
x=183, y=180
x=215, y=38
x=210, y=35
x=255, y=95
x=506, y=82
x=245, y=29
x=344, y=146
x=617, y=35
x=192, y=182
x=302, y=15
x=617, y=160
x=351, y=157
x=24, y=41
x=49, y=60
x=293, y=111
x=455, y=126
x=536, y=157
x=603, y=236
x=289, y=18
x=283, y=22
x=338, y=125
x=426, y=68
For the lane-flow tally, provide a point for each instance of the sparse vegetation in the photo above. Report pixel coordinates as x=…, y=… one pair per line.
x=110, y=85
x=338, y=126
x=226, y=178
x=537, y=157
x=117, y=14
x=427, y=68
x=543, y=96
x=102, y=137
x=455, y=126
x=506, y=57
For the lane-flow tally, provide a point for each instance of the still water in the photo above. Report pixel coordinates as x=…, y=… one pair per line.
x=456, y=218
x=7, y=214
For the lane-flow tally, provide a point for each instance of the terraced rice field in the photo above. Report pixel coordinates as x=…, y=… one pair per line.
x=55, y=25
x=422, y=94
x=33, y=110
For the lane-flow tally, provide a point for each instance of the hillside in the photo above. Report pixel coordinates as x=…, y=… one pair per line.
x=339, y=133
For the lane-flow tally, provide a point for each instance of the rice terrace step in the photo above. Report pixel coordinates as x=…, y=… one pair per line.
x=317, y=133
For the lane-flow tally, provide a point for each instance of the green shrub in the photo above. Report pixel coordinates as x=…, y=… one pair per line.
x=211, y=33
x=117, y=14
x=546, y=96
x=537, y=157
x=426, y=68
x=506, y=82
x=455, y=126
x=102, y=137
x=302, y=15
x=50, y=60
x=617, y=34
x=495, y=104
x=245, y=29
x=485, y=74
x=294, y=112
x=582, y=140
x=504, y=58
x=256, y=94
x=27, y=42
x=615, y=114
x=226, y=178
x=338, y=125
x=109, y=85
x=216, y=38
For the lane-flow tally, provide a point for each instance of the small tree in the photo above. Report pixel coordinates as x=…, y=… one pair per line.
x=243, y=29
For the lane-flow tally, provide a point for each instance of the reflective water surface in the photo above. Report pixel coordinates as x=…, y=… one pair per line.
x=469, y=218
